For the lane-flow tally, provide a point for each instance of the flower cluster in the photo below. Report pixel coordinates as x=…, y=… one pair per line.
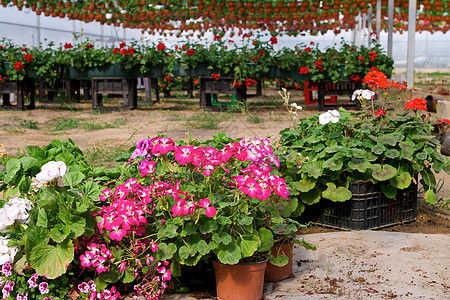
x=215, y=76
x=130, y=202
x=88, y=291
x=332, y=116
x=376, y=80
x=303, y=70
x=153, y=287
x=8, y=287
x=363, y=96
x=16, y=209
x=416, y=104
x=50, y=172
x=96, y=257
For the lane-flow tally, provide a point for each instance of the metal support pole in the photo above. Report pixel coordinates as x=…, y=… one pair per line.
x=390, y=27
x=378, y=18
x=411, y=43
x=38, y=29
x=369, y=27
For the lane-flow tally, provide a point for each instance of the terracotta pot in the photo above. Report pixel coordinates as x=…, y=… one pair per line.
x=240, y=282
x=274, y=273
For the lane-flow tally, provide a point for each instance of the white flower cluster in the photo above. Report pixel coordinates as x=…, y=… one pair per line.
x=362, y=95
x=50, y=171
x=332, y=116
x=6, y=253
x=15, y=210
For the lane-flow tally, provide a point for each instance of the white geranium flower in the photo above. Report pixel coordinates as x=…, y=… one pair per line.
x=49, y=171
x=362, y=95
x=15, y=210
x=332, y=116
x=6, y=253
x=294, y=105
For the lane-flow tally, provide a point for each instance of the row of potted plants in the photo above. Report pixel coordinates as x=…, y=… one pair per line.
x=247, y=58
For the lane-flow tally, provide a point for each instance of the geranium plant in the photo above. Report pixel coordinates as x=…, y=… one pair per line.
x=323, y=153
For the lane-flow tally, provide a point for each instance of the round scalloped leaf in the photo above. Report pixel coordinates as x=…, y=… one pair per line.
x=334, y=149
x=300, y=209
x=229, y=254
x=392, y=153
x=334, y=164
x=407, y=153
x=313, y=169
x=339, y=194
x=266, y=237
x=421, y=155
x=289, y=206
x=383, y=172
x=389, y=191
x=248, y=244
x=406, y=144
x=360, y=164
x=305, y=184
x=389, y=139
x=401, y=180
x=51, y=261
x=378, y=149
x=358, y=153
x=280, y=260
x=311, y=197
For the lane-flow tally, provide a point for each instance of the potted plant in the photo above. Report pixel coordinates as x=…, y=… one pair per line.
x=325, y=156
x=212, y=199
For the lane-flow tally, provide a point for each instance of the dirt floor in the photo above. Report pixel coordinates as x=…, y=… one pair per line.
x=406, y=261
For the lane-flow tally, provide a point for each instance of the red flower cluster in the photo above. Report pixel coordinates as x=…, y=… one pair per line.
x=416, y=104
x=248, y=82
x=319, y=65
x=28, y=57
x=167, y=78
x=161, y=47
x=380, y=112
x=24, y=49
x=190, y=52
x=303, y=70
x=1, y=78
x=355, y=78
x=273, y=40
x=215, y=76
x=361, y=59
x=308, y=49
x=373, y=55
x=89, y=46
x=376, y=80
x=67, y=45
x=19, y=66
x=123, y=44
x=441, y=121
x=255, y=58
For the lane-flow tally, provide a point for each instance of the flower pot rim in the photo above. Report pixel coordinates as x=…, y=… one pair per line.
x=266, y=259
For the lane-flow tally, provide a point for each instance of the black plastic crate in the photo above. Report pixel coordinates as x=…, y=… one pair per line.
x=368, y=208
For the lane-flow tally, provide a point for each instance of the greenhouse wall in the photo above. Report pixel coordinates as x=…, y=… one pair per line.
x=22, y=28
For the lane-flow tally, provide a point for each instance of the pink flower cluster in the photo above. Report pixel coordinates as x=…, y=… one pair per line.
x=130, y=203
x=89, y=290
x=153, y=287
x=6, y=269
x=96, y=257
x=7, y=288
x=32, y=282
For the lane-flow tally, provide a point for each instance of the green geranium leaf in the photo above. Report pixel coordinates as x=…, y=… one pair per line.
x=28, y=162
x=421, y=155
x=208, y=226
x=188, y=230
x=280, y=260
x=378, y=149
x=51, y=261
x=169, y=230
x=430, y=196
x=305, y=184
x=245, y=220
x=128, y=276
x=390, y=139
x=334, y=149
x=183, y=252
x=248, y=244
x=166, y=252
x=266, y=237
x=202, y=247
x=339, y=194
x=383, y=172
x=289, y=207
x=389, y=191
x=59, y=233
x=407, y=153
x=112, y=276
x=42, y=218
x=334, y=164
x=392, y=153
x=306, y=245
x=300, y=209
x=313, y=169
x=229, y=254
x=12, y=167
x=401, y=180
x=357, y=153
x=359, y=164
x=311, y=197
x=73, y=178
x=223, y=220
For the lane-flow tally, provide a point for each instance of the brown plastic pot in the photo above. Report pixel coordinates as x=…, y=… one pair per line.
x=244, y=281
x=274, y=273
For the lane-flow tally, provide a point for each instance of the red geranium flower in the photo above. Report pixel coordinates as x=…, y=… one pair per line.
x=25, y=49
x=131, y=51
x=376, y=80
x=123, y=51
x=373, y=55
x=380, y=112
x=123, y=44
x=416, y=104
x=361, y=58
x=355, y=78
x=190, y=52
x=441, y=121
x=303, y=70
x=90, y=46
x=1, y=78
x=161, y=47
x=273, y=40
x=28, y=57
x=115, y=50
x=19, y=66
x=308, y=49
x=67, y=45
